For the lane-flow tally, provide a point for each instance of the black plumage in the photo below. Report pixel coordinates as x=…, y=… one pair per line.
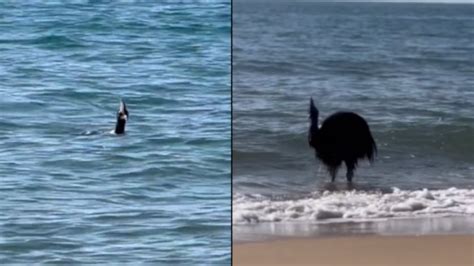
x=343, y=137
x=122, y=117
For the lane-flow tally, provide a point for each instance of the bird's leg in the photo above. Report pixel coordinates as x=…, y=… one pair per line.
x=350, y=171
x=333, y=173
x=349, y=175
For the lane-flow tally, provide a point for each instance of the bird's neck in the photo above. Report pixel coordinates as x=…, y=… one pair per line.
x=314, y=124
x=120, y=126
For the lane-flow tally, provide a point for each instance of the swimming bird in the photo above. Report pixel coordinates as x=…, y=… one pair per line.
x=343, y=137
x=122, y=117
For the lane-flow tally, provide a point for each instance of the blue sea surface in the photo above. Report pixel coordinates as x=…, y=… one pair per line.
x=72, y=192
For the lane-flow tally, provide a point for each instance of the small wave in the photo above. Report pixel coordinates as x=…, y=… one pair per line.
x=344, y=206
x=201, y=228
x=56, y=41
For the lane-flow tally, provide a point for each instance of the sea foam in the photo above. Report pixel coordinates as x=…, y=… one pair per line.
x=341, y=206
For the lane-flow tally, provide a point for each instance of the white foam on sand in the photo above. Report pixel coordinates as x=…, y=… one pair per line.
x=344, y=206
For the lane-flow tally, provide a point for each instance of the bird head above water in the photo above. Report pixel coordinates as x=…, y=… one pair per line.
x=122, y=117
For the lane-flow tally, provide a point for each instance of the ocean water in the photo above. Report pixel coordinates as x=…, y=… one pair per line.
x=408, y=69
x=72, y=192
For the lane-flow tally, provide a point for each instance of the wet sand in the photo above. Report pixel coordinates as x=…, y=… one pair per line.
x=359, y=250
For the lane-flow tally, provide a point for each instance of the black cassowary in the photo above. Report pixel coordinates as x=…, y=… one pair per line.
x=343, y=137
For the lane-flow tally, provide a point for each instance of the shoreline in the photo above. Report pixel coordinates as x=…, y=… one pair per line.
x=263, y=232
x=358, y=250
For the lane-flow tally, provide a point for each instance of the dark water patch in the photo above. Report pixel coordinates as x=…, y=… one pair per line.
x=38, y=246
x=57, y=42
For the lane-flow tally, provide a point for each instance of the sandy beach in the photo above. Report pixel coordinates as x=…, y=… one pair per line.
x=449, y=250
